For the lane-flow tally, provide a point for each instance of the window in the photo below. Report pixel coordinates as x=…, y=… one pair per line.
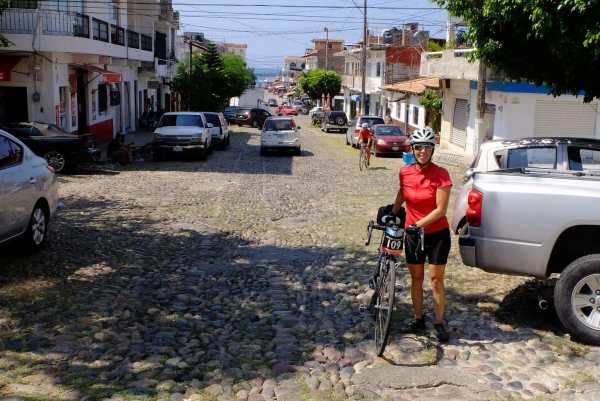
x=102, y=98
x=213, y=119
x=29, y=4
x=100, y=30
x=117, y=35
x=10, y=153
x=181, y=120
x=146, y=42
x=378, y=72
x=542, y=157
x=279, y=125
x=133, y=39
x=415, y=116
x=584, y=159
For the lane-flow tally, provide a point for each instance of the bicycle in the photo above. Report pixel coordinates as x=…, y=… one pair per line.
x=384, y=278
x=363, y=160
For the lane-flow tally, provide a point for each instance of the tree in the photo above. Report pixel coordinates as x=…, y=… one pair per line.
x=317, y=83
x=433, y=107
x=215, y=79
x=551, y=42
x=3, y=41
x=434, y=46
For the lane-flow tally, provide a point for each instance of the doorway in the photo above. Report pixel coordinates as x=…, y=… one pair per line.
x=127, y=106
x=82, y=122
x=13, y=104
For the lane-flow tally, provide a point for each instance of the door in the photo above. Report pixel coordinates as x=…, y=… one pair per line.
x=13, y=105
x=82, y=126
x=15, y=189
x=127, y=106
x=118, y=117
x=136, y=104
x=458, y=136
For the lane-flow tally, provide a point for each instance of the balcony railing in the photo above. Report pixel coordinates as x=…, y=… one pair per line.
x=133, y=39
x=146, y=42
x=17, y=20
x=24, y=21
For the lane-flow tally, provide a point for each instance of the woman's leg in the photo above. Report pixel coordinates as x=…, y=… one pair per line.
x=417, y=273
x=436, y=274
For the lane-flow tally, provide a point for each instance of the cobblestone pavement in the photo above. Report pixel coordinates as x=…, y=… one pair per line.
x=240, y=278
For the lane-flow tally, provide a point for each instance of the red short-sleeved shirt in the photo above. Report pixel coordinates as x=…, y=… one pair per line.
x=364, y=134
x=419, y=188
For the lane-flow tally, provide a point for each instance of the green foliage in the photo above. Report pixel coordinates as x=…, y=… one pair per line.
x=552, y=42
x=215, y=79
x=3, y=41
x=317, y=83
x=433, y=106
x=434, y=46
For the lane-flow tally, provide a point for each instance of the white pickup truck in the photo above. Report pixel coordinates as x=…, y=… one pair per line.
x=542, y=220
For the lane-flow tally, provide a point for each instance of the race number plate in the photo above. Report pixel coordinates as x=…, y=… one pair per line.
x=394, y=244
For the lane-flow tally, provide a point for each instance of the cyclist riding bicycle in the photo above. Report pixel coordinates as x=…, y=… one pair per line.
x=365, y=136
x=425, y=190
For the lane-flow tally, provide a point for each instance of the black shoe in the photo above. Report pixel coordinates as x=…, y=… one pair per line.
x=416, y=326
x=442, y=333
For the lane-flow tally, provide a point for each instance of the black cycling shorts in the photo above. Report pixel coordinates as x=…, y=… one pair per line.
x=437, y=248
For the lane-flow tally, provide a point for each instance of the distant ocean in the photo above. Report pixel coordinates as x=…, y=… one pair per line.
x=266, y=74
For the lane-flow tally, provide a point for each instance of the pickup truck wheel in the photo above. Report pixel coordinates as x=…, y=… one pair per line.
x=56, y=160
x=577, y=299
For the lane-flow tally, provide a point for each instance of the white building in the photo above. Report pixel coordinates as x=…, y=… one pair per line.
x=352, y=80
x=404, y=102
x=87, y=67
x=512, y=109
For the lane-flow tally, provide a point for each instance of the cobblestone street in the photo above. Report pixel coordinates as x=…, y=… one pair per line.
x=240, y=278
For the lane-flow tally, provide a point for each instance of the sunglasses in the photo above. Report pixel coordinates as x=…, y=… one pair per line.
x=422, y=147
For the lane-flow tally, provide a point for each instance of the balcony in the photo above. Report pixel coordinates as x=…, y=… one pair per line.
x=449, y=64
x=78, y=33
x=354, y=82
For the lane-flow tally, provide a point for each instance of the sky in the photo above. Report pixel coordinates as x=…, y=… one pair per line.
x=273, y=32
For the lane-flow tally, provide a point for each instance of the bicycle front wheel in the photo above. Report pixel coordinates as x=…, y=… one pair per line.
x=362, y=160
x=384, y=303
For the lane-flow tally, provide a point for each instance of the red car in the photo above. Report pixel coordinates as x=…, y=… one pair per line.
x=286, y=110
x=389, y=139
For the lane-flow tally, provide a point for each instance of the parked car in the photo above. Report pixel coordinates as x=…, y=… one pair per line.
x=230, y=113
x=544, y=152
x=280, y=133
x=182, y=133
x=273, y=102
x=389, y=139
x=334, y=121
x=253, y=117
x=300, y=107
x=286, y=110
x=220, y=129
x=62, y=150
x=28, y=193
x=356, y=124
x=314, y=109
x=541, y=221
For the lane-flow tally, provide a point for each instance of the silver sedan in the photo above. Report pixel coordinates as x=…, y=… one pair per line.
x=28, y=193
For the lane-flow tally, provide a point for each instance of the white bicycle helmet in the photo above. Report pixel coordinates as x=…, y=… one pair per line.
x=422, y=136
x=365, y=125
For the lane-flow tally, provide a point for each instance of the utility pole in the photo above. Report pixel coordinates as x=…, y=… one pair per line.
x=190, y=82
x=326, y=49
x=480, y=118
x=364, y=62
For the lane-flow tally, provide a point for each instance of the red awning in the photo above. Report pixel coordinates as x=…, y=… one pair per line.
x=7, y=63
x=109, y=76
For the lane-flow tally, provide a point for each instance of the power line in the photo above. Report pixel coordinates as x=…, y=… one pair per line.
x=224, y=5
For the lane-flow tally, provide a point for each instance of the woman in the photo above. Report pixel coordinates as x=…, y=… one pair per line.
x=425, y=188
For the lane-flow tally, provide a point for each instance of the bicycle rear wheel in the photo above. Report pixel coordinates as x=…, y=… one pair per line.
x=384, y=303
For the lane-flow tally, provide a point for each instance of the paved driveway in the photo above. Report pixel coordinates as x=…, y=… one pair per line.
x=240, y=278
